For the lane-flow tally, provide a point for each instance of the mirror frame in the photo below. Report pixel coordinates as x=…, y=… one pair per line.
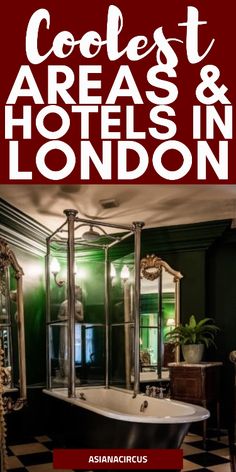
x=8, y=259
x=151, y=267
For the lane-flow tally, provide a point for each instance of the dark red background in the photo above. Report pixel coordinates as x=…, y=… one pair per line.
x=139, y=18
x=157, y=459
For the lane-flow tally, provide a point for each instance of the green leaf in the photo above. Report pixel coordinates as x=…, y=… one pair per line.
x=192, y=321
x=204, y=320
x=194, y=332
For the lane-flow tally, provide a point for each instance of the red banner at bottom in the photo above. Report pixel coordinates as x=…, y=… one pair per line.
x=90, y=459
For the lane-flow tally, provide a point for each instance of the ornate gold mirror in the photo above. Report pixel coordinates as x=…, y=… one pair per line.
x=11, y=313
x=159, y=314
x=12, y=377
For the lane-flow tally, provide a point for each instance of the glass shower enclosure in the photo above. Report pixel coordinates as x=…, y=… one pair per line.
x=93, y=304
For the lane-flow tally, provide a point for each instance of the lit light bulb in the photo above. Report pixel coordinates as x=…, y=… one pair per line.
x=55, y=269
x=170, y=323
x=112, y=271
x=124, y=275
x=81, y=273
x=55, y=266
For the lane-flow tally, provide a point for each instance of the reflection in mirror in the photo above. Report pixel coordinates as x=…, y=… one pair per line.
x=122, y=321
x=159, y=314
x=5, y=325
x=89, y=329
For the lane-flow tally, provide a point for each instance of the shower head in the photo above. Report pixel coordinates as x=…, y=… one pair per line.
x=91, y=235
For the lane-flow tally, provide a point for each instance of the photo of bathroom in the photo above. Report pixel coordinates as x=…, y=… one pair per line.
x=95, y=282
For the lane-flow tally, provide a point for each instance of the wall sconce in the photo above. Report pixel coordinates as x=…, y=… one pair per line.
x=55, y=269
x=80, y=273
x=125, y=273
x=112, y=273
x=170, y=323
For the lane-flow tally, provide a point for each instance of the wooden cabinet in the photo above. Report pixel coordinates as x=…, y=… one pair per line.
x=197, y=383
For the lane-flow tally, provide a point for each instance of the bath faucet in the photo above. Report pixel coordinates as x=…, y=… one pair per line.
x=82, y=396
x=151, y=391
x=161, y=394
x=155, y=392
x=143, y=406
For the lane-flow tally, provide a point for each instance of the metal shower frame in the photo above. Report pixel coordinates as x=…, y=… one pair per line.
x=71, y=220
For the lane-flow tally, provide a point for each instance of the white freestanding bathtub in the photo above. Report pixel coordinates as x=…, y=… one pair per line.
x=114, y=418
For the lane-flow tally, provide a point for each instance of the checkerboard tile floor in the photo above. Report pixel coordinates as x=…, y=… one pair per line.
x=35, y=455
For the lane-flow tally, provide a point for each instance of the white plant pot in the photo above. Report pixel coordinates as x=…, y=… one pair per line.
x=193, y=353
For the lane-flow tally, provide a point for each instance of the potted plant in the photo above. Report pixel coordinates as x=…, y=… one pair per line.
x=193, y=336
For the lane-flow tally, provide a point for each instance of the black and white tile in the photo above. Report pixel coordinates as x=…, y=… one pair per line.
x=32, y=455
x=214, y=457
x=35, y=455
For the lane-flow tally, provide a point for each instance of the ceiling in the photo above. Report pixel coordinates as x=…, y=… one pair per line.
x=156, y=205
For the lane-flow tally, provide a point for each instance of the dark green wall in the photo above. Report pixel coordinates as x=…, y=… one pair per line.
x=221, y=277
x=221, y=303
x=191, y=264
x=205, y=254
x=192, y=299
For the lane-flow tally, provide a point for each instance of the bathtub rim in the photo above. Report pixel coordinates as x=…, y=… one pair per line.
x=200, y=413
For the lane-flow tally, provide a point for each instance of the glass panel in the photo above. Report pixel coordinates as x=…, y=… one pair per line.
x=159, y=312
x=90, y=277
x=122, y=355
x=89, y=316
x=122, y=289
x=58, y=363
x=121, y=319
x=168, y=303
x=89, y=354
x=89, y=289
x=91, y=307
x=149, y=295
x=148, y=348
x=90, y=358
x=149, y=324
x=58, y=293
